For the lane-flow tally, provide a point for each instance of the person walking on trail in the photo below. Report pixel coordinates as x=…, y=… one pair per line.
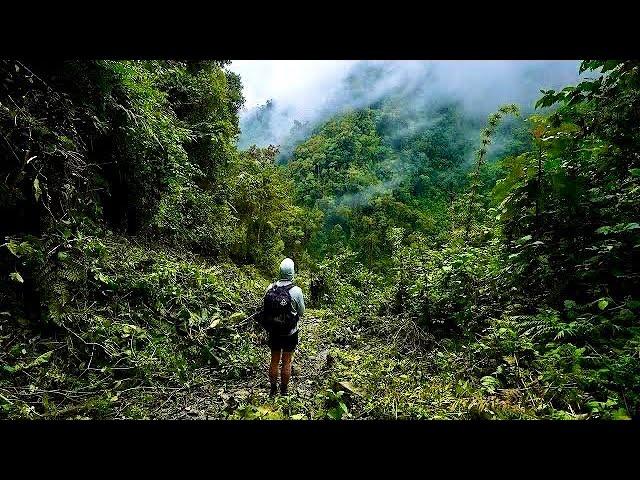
x=283, y=307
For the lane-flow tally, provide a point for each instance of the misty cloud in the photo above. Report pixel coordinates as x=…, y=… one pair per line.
x=314, y=91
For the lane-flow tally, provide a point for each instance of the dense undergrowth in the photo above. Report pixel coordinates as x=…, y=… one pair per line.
x=126, y=317
x=138, y=240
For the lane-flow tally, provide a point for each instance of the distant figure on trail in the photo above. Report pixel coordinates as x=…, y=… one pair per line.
x=283, y=307
x=317, y=287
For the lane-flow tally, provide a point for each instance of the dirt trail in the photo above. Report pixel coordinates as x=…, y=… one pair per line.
x=218, y=398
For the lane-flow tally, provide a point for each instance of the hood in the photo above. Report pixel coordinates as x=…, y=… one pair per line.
x=287, y=269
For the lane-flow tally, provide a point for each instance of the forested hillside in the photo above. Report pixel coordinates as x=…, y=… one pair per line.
x=462, y=266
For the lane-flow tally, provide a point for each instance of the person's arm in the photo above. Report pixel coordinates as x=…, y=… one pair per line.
x=300, y=302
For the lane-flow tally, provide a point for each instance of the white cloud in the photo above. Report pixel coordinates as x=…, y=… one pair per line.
x=293, y=80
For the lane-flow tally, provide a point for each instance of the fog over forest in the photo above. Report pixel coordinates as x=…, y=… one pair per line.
x=279, y=93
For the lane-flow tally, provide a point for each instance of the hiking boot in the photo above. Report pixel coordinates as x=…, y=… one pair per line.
x=284, y=389
x=274, y=390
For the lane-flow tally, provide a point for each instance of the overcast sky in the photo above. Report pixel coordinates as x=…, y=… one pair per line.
x=292, y=79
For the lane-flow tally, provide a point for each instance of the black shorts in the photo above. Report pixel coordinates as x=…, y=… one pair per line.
x=286, y=343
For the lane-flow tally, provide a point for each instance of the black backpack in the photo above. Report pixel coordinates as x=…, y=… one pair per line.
x=277, y=316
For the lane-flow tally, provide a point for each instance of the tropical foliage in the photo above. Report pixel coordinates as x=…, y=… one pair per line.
x=469, y=269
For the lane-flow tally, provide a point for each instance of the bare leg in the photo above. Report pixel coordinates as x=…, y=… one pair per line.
x=286, y=370
x=273, y=368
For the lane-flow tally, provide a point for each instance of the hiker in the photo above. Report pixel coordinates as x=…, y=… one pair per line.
x=283, y=307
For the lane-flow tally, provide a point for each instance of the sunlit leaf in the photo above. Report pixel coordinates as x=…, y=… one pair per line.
x=15, y=276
